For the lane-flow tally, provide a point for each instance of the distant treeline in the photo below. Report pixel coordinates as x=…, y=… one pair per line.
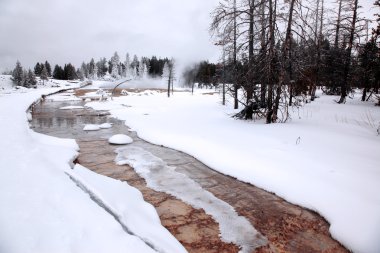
x=94, y=70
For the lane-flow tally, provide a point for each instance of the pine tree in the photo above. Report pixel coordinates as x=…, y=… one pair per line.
x=58, y=72
x=115, y=61
x=24, y=82
x=37, y=69
x=95, y=74
x=44, y=75
x=91, y=68
x=127, y=65
x=17, y=74
x=84, y=70
x=28, y=79
x=69, y=72
x=48, y=68
x=142, y=70
x=80, y=74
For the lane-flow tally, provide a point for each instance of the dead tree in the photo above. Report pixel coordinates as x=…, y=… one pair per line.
x=347, y=63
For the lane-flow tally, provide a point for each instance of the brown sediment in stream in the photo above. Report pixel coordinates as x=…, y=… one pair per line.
x=288, y=228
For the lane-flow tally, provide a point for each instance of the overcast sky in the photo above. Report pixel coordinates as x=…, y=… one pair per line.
x=62, y=31
x=76, y=30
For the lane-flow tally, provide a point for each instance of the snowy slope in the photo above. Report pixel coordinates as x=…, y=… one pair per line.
x=326, y=159
x=48, y=207
x=5, y=82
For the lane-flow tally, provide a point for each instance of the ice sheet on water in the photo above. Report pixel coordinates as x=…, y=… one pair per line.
x=105, y=125
x=72, y=107
x=91, y=127
x=161, y=177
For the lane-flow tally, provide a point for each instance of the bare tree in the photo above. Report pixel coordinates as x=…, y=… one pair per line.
x=348, y=54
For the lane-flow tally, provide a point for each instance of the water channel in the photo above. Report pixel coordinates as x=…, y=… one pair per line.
x=282, y=227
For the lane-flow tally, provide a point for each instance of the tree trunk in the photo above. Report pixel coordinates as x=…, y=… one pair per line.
x=169, y=86
x=348, y=56
x=285, y=53
x=271, y=63
x=364, y=97
x=318, y=63
x=224, y=93
x=263, y=88
x=336, y=44
x=250, y=86
x=236, y=89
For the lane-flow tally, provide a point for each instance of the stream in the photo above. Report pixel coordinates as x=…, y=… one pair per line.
x=205, y=210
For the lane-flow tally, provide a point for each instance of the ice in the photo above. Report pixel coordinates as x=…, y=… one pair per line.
x=72, y=107
x=91, y=127
x=46, y=206
x=127, y=205
x=327, y=153
x=120, y=139
x=105, y=126
x=161, y=177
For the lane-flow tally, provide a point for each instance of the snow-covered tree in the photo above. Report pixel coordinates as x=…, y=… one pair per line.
x=84, y=70
x=127, y=65
x=168, y=73
x=135, y=67
x=115, y=61
x=95, y=74
x=31, y=78
x=44, y=75
x=80, y=74
x=143, y=69
x=17, y=74
x=165, y=71
x=48, y=68
x=91, y=68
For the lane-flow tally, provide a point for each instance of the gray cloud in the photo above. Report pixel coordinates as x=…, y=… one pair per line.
x=73, y=31
x=76, y=30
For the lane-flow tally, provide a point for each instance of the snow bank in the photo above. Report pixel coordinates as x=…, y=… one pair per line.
x=5, y=82
x=326, y=159
x=64, y=97
x=148, y=83
x=120, y=139
x=137, y=217
x=43, y=210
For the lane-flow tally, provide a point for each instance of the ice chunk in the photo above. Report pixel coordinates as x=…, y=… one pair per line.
x=71, y=107
x=91, y=127
x=105, y=125
x=120, y=139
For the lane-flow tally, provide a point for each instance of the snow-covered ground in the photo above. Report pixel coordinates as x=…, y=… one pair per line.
x=132, y=84
x=46, y=206
x=326, y=158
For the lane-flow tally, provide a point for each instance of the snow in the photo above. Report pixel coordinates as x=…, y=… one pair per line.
x=72, y=107
x=94, y=127
x=48, y=207
x=64, y=97
x=143, y=83
x=120, y=139
x=91, y=127
x=5, y=82
x=135, y=215
x=105, y=126
x=325, y=159
x=161, y=177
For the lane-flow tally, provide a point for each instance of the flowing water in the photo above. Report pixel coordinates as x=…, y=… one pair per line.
x=205, y=210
